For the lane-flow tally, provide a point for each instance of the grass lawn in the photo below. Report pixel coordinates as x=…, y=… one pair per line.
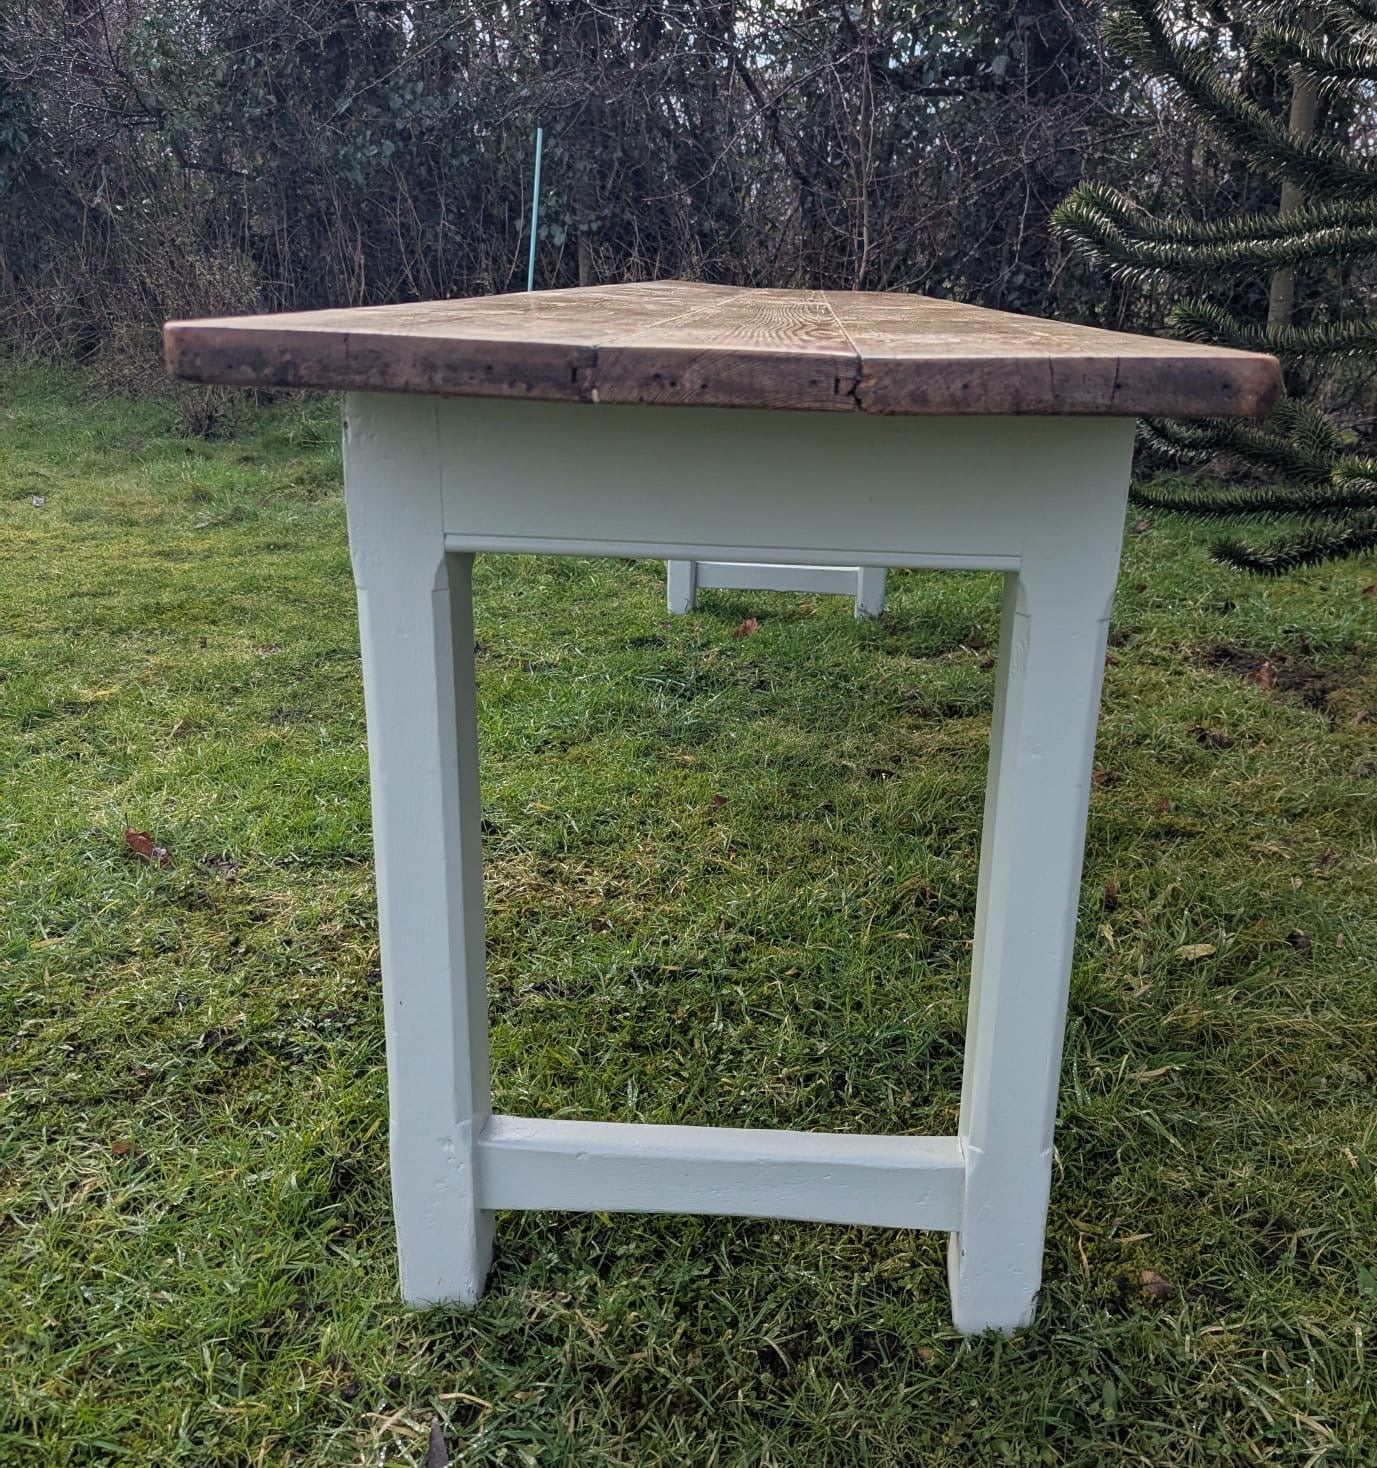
x=731, y=881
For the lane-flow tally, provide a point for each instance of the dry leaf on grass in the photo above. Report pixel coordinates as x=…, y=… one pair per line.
x=1156, y=1286
x=142, y=845
x=1193, y=951
x=748, y=628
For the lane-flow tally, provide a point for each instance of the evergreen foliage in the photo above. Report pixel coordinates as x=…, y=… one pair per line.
x=1327, y=220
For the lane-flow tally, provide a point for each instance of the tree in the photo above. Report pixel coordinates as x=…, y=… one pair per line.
x=1280, y=281
x=199, y=157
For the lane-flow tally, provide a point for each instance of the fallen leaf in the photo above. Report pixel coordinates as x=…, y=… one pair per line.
x=141, y=844
x=121, y=1149
x=38, y=501
x=469, y=1396
x=748, y=628
x=717, y=801
x=1299, y=941
x=1193, y=951
x=1110, y=661
x=48, y=942
x=1370, y=592
x=1163, y=805
x=1264, y=677
x=1362, y=716
x=1338, y=940
x=1141, y=527
x=1297, y=883
x=1111, y=896
x=1211, y=738
x=1156, y=1286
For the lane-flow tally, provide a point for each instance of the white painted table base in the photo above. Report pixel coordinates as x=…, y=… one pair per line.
x=432, y=481
x=685, y=579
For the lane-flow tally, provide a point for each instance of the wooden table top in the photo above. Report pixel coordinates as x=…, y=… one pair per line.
x=675, y=342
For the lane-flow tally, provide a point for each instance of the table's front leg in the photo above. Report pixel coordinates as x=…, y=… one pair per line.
x=416, y=628
x=1051, y=661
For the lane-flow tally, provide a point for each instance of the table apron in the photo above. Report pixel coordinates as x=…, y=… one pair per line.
x=740, y=484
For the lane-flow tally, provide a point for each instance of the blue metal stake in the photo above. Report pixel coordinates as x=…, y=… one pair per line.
x=535, y=209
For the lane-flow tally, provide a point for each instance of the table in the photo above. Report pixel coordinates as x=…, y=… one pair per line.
x=677, y=421
x=684, y=580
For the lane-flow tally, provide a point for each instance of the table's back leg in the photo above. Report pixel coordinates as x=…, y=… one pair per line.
x=681, y=588
x=1051, y=662
x=416, y=628
x=870, y=591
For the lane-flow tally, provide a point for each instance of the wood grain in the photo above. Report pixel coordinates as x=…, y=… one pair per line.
x=677, y=342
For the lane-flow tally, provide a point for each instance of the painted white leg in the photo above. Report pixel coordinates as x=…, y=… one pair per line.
x=1051, y=661
x=682, y=586
x=870, y=591
x=416, y=625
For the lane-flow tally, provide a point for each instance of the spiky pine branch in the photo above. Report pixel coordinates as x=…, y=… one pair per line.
x=1202, y=321
x=1316, y=164
x=1343, y=14
x=1330, y=60
x=1108, y=228
x=1309, y=547
x=1317, y=481
x=1125, y=214
x=1271, y=502
x=1297, y=442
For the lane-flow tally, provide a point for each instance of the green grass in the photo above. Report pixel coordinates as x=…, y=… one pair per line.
x=730, y=881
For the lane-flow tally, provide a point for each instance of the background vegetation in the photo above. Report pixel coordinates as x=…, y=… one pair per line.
x=177, y=157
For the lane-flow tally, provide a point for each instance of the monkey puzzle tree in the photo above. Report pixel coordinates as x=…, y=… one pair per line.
x=1317, y=309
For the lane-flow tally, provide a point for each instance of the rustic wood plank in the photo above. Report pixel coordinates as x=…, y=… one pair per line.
x=678, y=342
x=921, y=355
x=775, y=348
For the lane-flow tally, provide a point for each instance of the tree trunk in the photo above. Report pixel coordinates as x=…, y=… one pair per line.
x=1305, y=100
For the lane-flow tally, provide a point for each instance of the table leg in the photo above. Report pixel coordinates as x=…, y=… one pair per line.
x=416, y=627
x=681, y=586
x=870, y=591
x=1051, y=662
